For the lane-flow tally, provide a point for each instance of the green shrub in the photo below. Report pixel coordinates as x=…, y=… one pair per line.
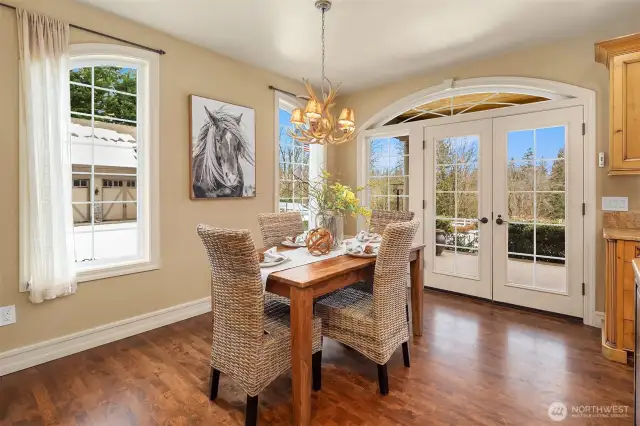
x=550, y=241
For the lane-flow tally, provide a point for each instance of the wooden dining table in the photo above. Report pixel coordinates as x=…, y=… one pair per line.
x=302, y=284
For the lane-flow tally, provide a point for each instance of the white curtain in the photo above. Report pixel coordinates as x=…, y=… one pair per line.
x=44, y=116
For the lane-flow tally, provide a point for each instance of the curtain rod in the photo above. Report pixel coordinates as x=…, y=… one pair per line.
x=283, y=91
x=131, y=43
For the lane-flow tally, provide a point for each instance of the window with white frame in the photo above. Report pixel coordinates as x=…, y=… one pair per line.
x=297, y=163
x=388, y=173
x=113, y=131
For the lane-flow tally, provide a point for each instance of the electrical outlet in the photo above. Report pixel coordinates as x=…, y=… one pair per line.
x=615, y=204
x=7, y=315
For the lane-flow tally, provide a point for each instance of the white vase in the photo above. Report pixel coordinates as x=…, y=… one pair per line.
x=332, y=220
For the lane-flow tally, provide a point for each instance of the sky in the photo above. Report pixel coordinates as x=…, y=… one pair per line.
x=284, y=118
x=548, y=141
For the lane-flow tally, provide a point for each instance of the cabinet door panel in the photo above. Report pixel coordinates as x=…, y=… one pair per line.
x=632, y=110
x=628, y=305
x=631, y=250
x=625, y=111
x=628, y=280
x=627, y=340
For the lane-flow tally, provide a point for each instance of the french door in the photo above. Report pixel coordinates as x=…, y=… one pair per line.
x=504, y=209
x=458, y=211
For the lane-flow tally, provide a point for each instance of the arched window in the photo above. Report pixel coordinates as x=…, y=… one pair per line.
x=464, y=104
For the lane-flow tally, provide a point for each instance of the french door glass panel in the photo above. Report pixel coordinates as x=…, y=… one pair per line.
x=457, y=205
x=536, y=208
x=458, y=182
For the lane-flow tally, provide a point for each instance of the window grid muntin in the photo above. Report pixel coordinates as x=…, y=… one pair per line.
x=92, y=174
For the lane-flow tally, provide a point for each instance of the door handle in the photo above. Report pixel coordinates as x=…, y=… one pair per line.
x=500, y=221
x=483, y=220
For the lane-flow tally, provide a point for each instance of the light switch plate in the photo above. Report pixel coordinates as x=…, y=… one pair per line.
x=7, y=315
x=615, y=204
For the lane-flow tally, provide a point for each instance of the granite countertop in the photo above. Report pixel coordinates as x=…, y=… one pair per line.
x=636, y=268
x=621, y=234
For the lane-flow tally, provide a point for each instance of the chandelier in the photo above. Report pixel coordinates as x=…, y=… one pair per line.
x=315, y=124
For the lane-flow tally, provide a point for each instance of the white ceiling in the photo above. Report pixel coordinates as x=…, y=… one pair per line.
x=369, y=42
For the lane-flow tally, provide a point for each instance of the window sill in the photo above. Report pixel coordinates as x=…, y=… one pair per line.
x=102, y=272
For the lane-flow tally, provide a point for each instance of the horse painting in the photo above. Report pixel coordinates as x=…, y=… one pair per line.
x=218, y=151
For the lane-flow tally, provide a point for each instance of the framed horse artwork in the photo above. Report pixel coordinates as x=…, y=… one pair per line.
x=222, y=145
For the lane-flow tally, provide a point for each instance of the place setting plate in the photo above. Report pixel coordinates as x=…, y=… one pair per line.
x=292, y=244
x=272, y=264
x=362, y=255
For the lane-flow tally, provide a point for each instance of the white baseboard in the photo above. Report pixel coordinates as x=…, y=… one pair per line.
x=28, y=356
x=599, y=316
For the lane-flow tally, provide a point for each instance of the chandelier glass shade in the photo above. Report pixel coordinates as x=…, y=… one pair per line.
x=315, y=124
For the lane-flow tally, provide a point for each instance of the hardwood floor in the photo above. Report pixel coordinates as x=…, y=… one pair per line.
x=476, y=364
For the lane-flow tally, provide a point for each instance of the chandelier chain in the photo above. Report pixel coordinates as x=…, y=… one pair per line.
x=322, y=81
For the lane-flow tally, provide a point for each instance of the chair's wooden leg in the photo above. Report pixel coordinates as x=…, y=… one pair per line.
x=406, y=310
x=383, y=379
x=215, y=380
x=405, y=354
x=251, y=415
x=316, y=367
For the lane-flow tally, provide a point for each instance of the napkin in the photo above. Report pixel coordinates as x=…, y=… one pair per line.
x=372, y=237
x=272, y=255
x=299, y=239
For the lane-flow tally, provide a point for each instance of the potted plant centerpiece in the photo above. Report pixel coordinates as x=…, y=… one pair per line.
x=331, y=201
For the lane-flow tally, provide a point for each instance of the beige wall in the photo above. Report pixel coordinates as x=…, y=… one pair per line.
x=570, y=61
x=185, y=69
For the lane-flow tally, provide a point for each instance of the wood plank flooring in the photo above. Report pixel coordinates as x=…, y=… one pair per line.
x=476, y=364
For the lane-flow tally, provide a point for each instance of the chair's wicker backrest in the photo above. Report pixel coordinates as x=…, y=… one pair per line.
x=275, y=227
x=381, y=218
x=237, y=296
x=390, y=277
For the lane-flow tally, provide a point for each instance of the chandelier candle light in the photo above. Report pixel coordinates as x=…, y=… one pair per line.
x=315, y=124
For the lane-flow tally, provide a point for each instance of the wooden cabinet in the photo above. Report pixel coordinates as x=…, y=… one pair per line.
x=617, y=333
x=622, y=57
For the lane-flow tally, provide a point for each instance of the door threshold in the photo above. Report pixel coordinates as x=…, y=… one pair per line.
x=506, y=305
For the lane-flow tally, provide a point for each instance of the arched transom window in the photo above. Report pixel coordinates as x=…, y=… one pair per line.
x=464, y=104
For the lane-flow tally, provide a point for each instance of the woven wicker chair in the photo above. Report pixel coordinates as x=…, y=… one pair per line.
x=379, y=221
x=381, y=218
x=275, y=227
x=374, y=324
x=251, y=336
